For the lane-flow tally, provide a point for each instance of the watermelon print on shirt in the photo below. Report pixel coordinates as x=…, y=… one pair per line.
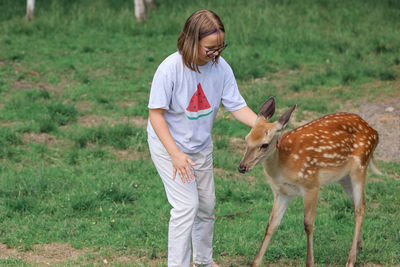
x=198, y=105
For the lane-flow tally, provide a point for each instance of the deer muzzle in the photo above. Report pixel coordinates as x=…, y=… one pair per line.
x=242, y=168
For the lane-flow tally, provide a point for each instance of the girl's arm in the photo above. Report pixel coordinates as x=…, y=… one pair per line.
x=245, y=115
x=180, y=161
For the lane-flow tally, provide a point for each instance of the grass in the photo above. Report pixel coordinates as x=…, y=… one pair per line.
x=96, y=187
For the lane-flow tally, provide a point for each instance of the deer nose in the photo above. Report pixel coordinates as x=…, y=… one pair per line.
x=241, y=168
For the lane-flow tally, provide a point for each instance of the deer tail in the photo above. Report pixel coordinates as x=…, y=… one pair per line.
x=372, y=164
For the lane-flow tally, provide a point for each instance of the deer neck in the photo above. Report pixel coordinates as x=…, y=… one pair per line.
x=271, y=163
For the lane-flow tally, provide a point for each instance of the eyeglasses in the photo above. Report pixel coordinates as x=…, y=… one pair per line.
x=212, y=52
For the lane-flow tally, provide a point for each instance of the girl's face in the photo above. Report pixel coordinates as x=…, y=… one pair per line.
x=210, y=46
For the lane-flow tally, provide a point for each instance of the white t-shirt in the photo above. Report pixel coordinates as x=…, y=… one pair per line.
x=192, y=99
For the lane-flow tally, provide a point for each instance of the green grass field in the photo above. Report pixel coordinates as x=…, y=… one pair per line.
x=74, y=163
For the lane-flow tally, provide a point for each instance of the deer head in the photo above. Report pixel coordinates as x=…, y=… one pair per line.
x=262, y=139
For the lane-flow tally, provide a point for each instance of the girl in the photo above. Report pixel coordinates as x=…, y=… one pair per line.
x=185, y=96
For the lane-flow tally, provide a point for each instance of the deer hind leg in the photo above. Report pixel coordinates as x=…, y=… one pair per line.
x=281, y=203
x=357, y=178
x=348, y=188
x=310, y=207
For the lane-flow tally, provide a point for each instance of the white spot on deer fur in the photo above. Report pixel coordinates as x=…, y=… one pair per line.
x=306, y=165
x=309, y=171
x=329, y=156
x=316, y=149
x=355, y=145
x=300, y=174
x=358, y=161
x=295, y=156
x=361, y=143
x=308, y=158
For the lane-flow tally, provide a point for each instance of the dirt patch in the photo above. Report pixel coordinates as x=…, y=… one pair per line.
x=127, y=103
x=10, y=124
x=43, y=254
x=129, y=154
x=42, y=85
x=234, y=175
x=55, y=254
x=23, y=85
x=83, y=106
x=45, y=138
x=101, y=72
x=97, y=120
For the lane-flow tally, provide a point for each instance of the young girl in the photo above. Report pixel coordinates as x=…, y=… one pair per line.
x=187, y=90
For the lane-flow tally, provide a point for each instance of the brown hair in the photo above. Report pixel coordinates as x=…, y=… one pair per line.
x=199, y=25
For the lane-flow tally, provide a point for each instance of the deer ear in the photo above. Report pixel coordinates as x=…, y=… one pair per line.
x=283, y=120
x=268, y=108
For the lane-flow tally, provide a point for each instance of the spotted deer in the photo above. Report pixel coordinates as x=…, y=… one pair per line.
x=334, y=148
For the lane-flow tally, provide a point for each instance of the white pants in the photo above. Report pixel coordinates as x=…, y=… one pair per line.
x=192, y=214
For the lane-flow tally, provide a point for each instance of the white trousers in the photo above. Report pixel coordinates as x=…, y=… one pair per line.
x=192, y=214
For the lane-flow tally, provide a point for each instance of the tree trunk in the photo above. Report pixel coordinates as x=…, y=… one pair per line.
x=140, y=10
x=30, y=9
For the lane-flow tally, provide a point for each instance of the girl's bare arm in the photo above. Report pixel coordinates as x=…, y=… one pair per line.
x=180, y=160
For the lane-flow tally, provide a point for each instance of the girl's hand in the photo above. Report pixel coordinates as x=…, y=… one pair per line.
x=180, y=163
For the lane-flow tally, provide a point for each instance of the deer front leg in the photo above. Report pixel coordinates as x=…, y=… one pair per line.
x=281, y=203
x=357, y=180
x=310, y=207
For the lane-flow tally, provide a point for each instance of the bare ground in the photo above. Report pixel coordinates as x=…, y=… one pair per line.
x=383, y=116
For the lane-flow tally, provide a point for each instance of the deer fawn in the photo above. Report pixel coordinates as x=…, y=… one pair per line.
x=336, y=147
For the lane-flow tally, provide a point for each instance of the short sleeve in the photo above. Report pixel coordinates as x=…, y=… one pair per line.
x=161, y=90
x=231, y=97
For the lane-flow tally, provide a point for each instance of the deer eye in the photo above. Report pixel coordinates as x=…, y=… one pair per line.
x=264, y=146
